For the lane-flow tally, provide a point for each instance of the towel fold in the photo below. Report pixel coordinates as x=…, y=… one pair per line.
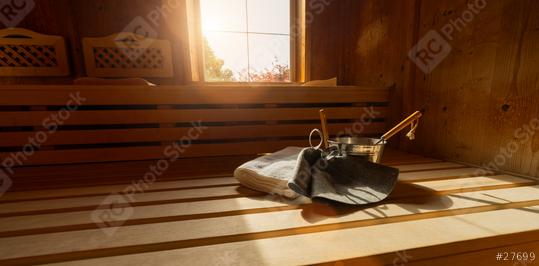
x=346, y=179
x=270, y=173
x=298, y=171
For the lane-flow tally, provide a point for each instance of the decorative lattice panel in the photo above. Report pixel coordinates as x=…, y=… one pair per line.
x=127, y=55
x=26, y=53
x=106, y=57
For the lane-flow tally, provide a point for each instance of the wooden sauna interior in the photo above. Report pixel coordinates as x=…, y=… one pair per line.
x=89, y=111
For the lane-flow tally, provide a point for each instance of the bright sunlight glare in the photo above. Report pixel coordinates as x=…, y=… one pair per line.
x=251, y=37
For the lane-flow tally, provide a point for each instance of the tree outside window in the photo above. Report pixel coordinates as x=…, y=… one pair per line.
x=246, y=40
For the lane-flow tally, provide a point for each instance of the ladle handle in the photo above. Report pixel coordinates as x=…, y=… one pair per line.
x=323, y=121
x=406, y=122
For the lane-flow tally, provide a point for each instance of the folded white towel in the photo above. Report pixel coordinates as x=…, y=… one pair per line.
x=270, y=173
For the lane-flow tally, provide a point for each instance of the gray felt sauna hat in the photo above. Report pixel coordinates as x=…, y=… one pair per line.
x=350, y=180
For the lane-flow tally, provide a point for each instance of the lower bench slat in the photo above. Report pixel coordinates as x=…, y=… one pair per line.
x=170, y=185
x=154, y=152
x=235, y=206
x=301, y=226
x=438, y=210
x=337, y=245
x=161, y=152
x=190, y=194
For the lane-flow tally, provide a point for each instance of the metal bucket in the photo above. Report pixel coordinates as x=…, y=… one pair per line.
x=355, y=146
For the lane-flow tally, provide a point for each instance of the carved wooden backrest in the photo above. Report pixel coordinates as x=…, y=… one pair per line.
x=27, y=53
x=127, y=55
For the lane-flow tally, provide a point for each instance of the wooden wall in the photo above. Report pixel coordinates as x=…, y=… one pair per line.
x=75, y=19
x=479, y=101
x=481, y=97
x=44, y=19
x=364, y=42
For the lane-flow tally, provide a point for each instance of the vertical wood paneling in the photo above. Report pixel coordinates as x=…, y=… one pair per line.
x=376, y=47
x=75, y=20
x=325, y=39
x=475, y=100
x=365, y=42
x=52, y=17
x=485, y=90
x=100, y=18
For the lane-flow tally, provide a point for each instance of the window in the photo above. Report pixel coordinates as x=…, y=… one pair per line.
x=247, y=40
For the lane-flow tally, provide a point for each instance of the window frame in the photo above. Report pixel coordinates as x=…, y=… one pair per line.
x=297, y=46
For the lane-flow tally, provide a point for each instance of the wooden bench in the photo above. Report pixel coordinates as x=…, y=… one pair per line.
x=125, y=123
x=441, y=213
x=98, y=208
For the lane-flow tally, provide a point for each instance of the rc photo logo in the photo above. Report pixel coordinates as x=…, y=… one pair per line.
x=112, y=213
x=430, y=51
x=434, y=47
x=140, y=30
x=5, y=182
x=12, y=12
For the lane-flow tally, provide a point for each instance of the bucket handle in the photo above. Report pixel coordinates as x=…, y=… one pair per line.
x=316, y=130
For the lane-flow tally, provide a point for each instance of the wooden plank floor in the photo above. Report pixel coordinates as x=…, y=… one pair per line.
x=440, y=213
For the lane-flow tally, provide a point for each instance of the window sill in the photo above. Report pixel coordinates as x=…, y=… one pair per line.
x=246, y=84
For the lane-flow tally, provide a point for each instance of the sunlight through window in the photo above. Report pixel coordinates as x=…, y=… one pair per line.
x=246, y=40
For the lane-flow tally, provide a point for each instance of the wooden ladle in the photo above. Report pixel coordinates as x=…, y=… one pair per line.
x=410, y=120
x=325, y=134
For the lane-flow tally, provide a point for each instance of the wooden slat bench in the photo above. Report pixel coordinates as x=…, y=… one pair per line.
x=440, y=212
x=125, y=123
x=79, y=199
x=260, y=118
